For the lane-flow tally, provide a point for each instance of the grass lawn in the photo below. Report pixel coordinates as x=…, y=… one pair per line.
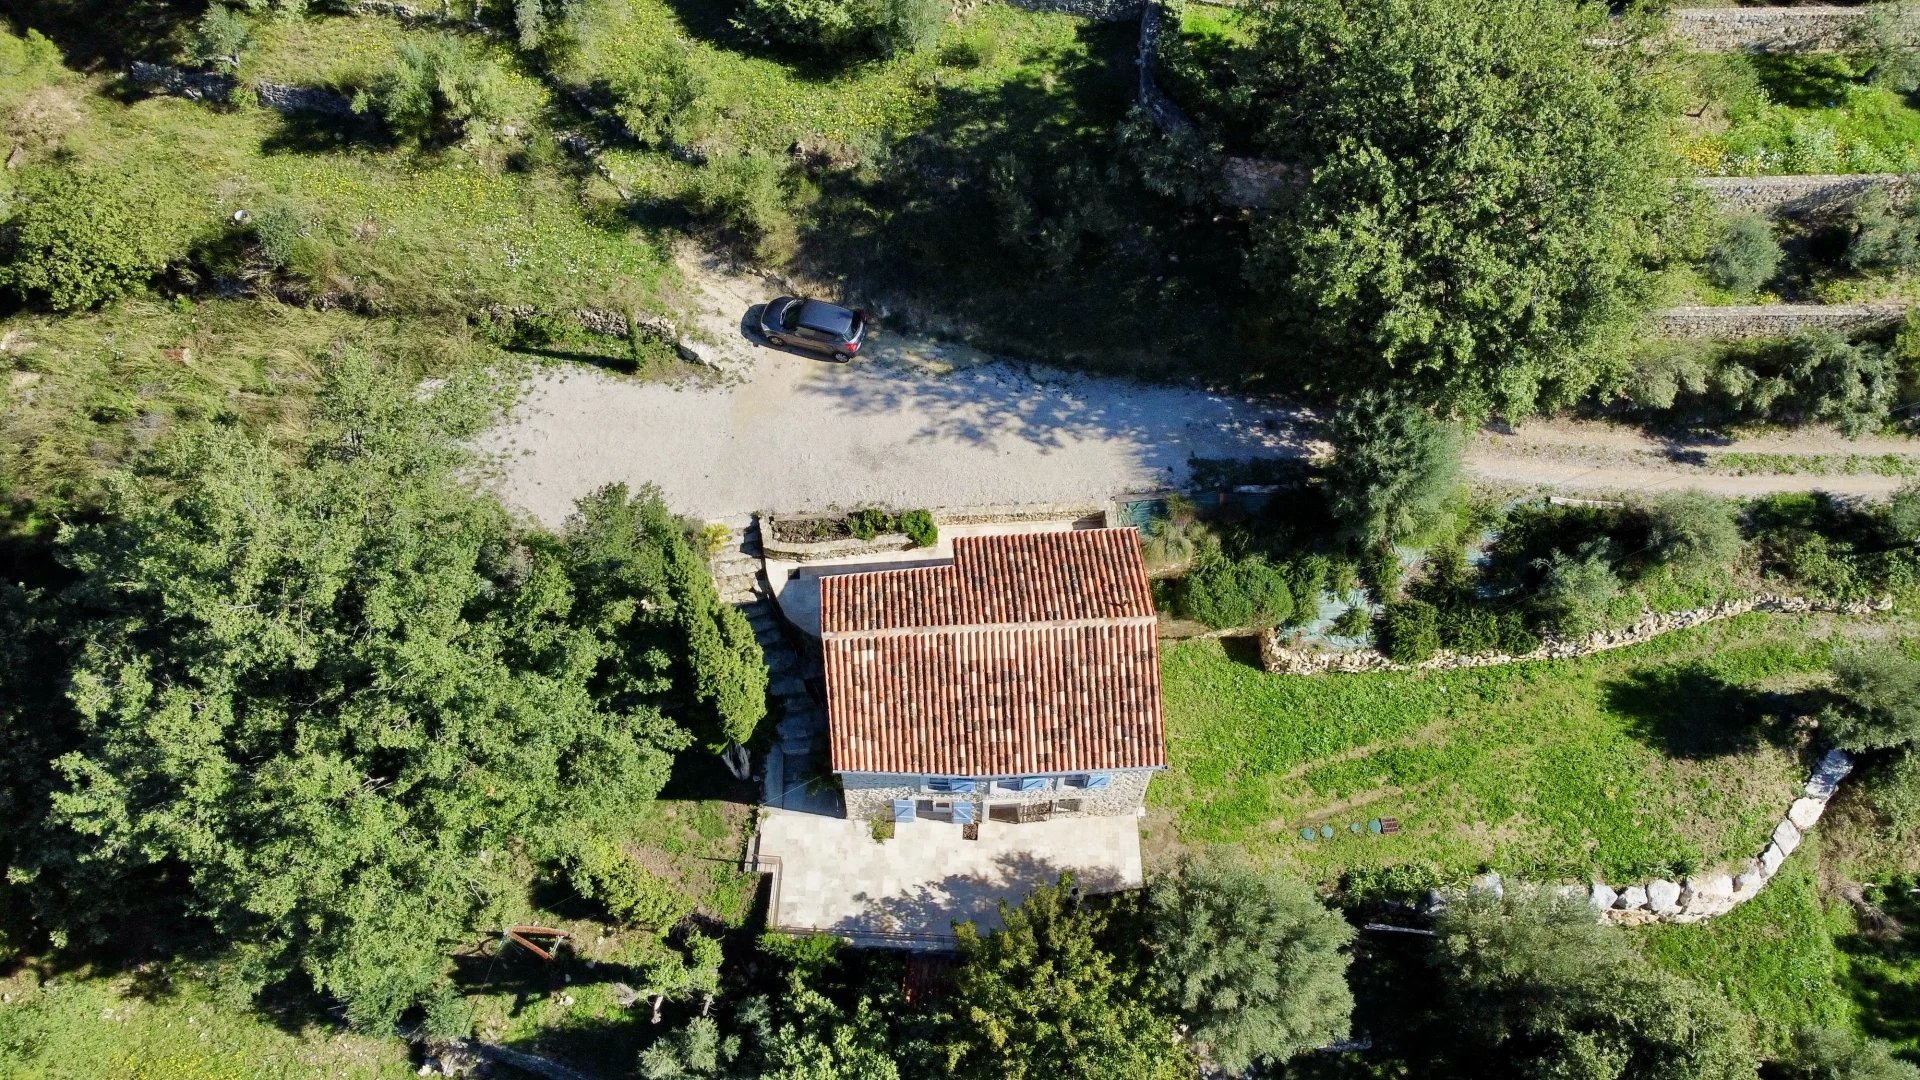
x=1777, y=957
x=1649, y=760
x=1767, y=115
x=77, y=1028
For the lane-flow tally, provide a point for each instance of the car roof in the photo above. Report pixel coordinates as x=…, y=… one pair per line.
x=826, y=318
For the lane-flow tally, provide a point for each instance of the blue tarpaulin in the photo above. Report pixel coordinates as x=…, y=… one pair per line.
x=903, y=809
x=963, y=813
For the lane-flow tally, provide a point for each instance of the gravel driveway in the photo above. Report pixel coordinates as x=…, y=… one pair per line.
x=917, y=424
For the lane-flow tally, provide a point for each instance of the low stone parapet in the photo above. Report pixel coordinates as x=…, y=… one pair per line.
x=1749, y=321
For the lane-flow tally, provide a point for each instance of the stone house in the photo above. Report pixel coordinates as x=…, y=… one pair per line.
x=1017, y=683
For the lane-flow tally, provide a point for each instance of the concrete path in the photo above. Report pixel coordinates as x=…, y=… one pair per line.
x=908, y=891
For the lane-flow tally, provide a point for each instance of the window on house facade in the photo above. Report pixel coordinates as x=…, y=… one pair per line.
x=1024, y=783
x=953, y=785
x=1097, y=781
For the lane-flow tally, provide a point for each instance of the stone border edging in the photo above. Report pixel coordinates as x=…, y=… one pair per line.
x=1701, y=896
x=1279, y=659
x=213, y=86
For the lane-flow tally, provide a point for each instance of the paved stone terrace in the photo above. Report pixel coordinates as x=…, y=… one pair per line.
x=831, y=875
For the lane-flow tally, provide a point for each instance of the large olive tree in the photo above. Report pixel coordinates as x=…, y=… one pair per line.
x=1484, y=194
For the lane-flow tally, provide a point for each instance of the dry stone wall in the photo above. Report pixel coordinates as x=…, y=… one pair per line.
x=1282, y=659
x=1785, y=195
x=1702, y=896
x=1739, y=322
x=1798, y=28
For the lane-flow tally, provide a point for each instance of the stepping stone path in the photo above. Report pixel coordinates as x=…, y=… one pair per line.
x=740, y=575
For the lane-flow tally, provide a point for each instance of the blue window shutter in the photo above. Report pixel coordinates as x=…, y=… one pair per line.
x=960, y=787
x=963, y=813
x=1033, y=783
x=903, y=809
x=939, y=783
x=1098, y=781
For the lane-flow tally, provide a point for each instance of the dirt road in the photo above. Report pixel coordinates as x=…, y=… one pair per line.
x=917, y=422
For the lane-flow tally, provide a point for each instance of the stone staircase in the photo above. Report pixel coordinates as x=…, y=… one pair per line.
x=740, y=575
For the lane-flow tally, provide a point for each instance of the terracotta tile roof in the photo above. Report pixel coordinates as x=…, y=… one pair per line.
x=1034, y=653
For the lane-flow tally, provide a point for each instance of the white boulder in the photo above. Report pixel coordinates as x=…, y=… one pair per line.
x=1663, y=896
x=1804, y=812
x=1786, y=837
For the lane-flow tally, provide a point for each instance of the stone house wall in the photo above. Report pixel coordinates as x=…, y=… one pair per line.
x=871, y=795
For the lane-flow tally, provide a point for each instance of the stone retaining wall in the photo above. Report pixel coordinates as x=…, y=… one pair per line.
x=1281, y=659
x=1795, y=29
x=1774, y=320
x=1793, y=194
x=1097, y=10
x=1701, y=896
x=212, y=86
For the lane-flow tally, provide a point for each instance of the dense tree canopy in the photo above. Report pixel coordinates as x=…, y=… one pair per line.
x=1394, y=467
x=346, y=701
x=1483, y=194
x=1542, y=989
x=1253, y=962
x=1043, y=998
x=1879, y=690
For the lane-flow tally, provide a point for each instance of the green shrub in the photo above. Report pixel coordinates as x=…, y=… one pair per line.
x=222, y=36
x=817, y=23
x=1663, y=370
x=1394, y=468
x=1903, y=514
x=1353, y=622
x=979, y=46
x=1401, y=883
x=1516, y=639
x=1847, y=384
x=1409, y=631
x=436, y=91
x=1746, y=256
x=1692, y=531
x=1886, y=232
x=1306, y=582
x=1576, y=588
x=599, y=870
x=1234, y=593
x=869, y=522
x=664, y=97
x=80, y=238
x=745, y=195
x=1380, y=568
x=447, y=1014
x=1468, y=630
x=919, y=527
x=1894, y=788
x=907, y=26
x=1879, y=699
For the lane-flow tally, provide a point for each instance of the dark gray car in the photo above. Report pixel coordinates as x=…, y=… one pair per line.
x=813, y=325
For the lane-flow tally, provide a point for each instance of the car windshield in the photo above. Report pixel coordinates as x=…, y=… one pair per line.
x=790, y=318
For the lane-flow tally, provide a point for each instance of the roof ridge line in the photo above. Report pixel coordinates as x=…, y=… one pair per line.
x=945, y=628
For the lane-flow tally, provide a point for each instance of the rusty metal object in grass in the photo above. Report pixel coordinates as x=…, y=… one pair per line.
x=523, y=936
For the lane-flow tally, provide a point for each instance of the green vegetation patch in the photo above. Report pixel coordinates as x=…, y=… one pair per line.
x=1643, y=761
x=1768, y=115
x=80, y=1029
x=1775, y=957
